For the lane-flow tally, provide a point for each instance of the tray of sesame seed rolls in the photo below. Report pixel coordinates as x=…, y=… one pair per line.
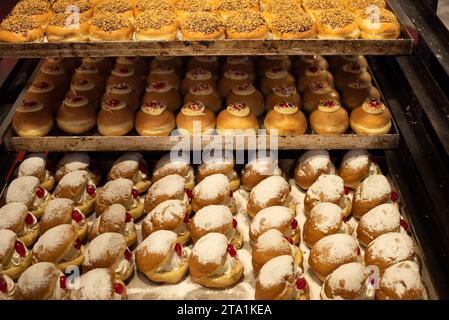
x=307, y=226
x=36, y=28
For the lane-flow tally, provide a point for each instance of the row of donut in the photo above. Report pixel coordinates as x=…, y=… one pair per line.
x=32, y=20
x=203, y=96
x=325, y=230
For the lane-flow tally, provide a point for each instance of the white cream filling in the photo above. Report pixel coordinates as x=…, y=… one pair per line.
x=58, y=292
x=123, y=266
x=226, y=267
x=129, y=228
x=10, y=289
x=16, y=259
x=174, y=261
x=38, y=201
x=28, y=227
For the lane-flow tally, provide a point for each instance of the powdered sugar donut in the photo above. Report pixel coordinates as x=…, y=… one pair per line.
x=224, y=166
x=356, y=166
x=37, y=165
x=15, y=216
x=15, y=258
x=178, y=165
x=78, y=161
x=257, y=170
x=131, y=166
x=99, y=284
x=311, y=165
x=213, y=190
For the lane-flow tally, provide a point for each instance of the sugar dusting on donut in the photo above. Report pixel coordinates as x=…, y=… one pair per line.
x=211, y=248
x=385, y=216
x=316, y=160
x=272, y=240
x=275, y=271
x=270, y=188
x=213, y=216
x=271, y=218
x=212, y=186
x=374, y=186
x=336, y=247
x=159, y=242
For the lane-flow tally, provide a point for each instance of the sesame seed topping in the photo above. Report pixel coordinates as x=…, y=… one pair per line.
x=244, y=21
x=336, y=18
x=203, y=22
x=154, y=19
x=109, y=22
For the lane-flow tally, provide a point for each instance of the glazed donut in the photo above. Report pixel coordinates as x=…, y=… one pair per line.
x=285, y=119
x=171, y=187
x=351, y=72
x=247, y=93
x=154, y=119
x=230, y=79
x=324, y=219
x=215, y=218
x=257, y=170
x=197, y=76
x=128, y=75
x=371, y=118
x=99, y=284
x=303, y=62
x=378, y=221
x=279, y=280
x=328, y=188
x=63, y=211
x=132, y=166
x=401, y=281
x=237, y=119
x=43, y=93
x=26, y=190
x=168, y=165
x=123, y=92
x=275, y=76
x=311, y=165
x=272, y=191
x=331, y=252
x=170, y=215
x=15, y=216
x=277, y=217
x=373, y=191
x=206, y=94
x=164, y=71
x=109, y=250
x=356, y=92
x=9, y=288
x=329, y=118
x=37, y=165
x=223, y=165
x=77, y=186
x=78, y=161
x=210, y=63
x=42, y=281
x=347, y=282
x=59, y=245
x=163, y=92
x=77, y=115
x=273, y=244
x=214, y=262
x=120, y=191
x=194, y=119
x=283, y=94
x=32, y=119
x=161, y=258
x=389, y=249
x=315, y=73
x=356, y=166
x=316, y=92
x=115, y=219
x=214, y=189
x=15, y=258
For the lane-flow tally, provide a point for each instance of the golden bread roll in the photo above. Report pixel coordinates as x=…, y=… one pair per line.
x=237, y=119
x=154, y=119
x=76, y=115
x=115, y=118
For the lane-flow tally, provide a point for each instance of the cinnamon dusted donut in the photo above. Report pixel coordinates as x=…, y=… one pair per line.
x=78, y=161
x=17, y=29
x=224, y=165
x=311, y=165
x=77, y=186
x=168, y=215
x=132, y=166
x=206, y=94
x=276, y=76
x=154, y=119
x=197, y=76
x=115, y=219
x=347, y=282
x=303, y=62
x=107, y=26
x=401, y=281
x=232, y=78
x=285, y=119
x=389, y=249
x=324, y=219
x=371, y=118
x=356, y=166
x=9, y=288
x=120, y=191
x=210, y=63
x=63, y=211
x=283, y=94
x=373, y=191
x=279, y=280
x=32, y=119
x=161, y=258
x=170, y=187
x=109, y=250
x=331, y=252
x=277, y=217
x=272, y=191
x=122, y=91
x=356, y=92
x=315, y=73
x=99, y=284
x=42, y=281
x=329, y=118
x=195, y=119
x=382, y=219
x=202, y=26
x=328, y=188
x=37, y=165
x=214, y=262
x=26, y=190
x=164, y=71
x=379, y=23
x=257, y=170
x=215, y=218
x=246, y=25
x=273, y=244
x=351, y=72
x=77, y=115
x=59, y=245
x=163, y=92
x=241, y=63
x=247, y=93
x=237, y=119
x=214, y=189
x=316, y=92
x=179, y=165
x=337, y=23
x=115, y=118
x=15, y=258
